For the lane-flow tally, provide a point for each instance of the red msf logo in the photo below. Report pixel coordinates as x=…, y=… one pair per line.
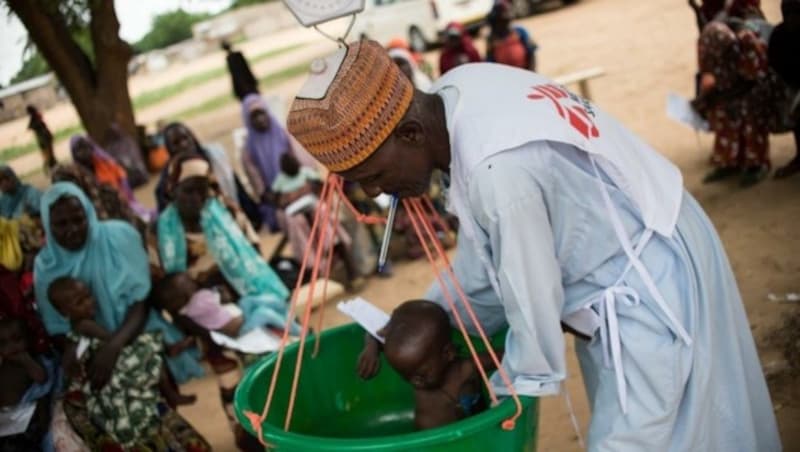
x=572, y=108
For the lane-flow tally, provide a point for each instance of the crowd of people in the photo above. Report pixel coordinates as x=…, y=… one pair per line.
x=506, y=44
x=110, y=305
x=747, y=85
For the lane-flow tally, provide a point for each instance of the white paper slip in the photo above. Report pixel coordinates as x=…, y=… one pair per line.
x=301, y=204
x=680, y=109
x=15, y=420
x=365, y=314
x=256, y=341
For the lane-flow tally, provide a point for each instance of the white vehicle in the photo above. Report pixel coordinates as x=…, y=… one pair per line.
x=421, y=22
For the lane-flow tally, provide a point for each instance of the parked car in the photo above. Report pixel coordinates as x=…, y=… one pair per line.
x=420, y=21
x=524, y=8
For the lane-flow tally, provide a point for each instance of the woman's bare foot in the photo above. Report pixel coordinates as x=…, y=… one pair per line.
x=176, y=399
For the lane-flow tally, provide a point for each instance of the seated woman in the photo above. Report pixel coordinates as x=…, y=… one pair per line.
x=267, y=141
x=179, y=139
x=127, y=407
x=110, y=258
x=218, y=249
x=16, y=198
x=88, y=155
x=126, y=151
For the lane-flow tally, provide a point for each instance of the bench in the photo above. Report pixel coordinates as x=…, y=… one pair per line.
x=582, y=79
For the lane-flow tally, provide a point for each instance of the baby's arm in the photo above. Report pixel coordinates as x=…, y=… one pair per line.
x=70, y=362
x=369, y=361
x=232, y=328
x=90, y=328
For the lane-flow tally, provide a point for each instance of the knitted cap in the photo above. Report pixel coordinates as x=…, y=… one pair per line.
x=350, y=104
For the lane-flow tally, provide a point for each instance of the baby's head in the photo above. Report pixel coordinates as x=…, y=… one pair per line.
x=72, y=299
x=13, y=336
x=418, y=344
x=174, y=291
x=289, y=164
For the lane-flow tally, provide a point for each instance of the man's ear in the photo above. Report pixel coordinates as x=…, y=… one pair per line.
x=410, y=132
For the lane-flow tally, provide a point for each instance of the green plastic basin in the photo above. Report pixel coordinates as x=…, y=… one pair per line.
x=335, y=410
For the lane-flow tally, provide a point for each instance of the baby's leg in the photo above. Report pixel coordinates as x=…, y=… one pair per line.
x=170, y=391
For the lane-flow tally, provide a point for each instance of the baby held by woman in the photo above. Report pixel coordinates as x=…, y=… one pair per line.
x=180, y=295
x=418, y=345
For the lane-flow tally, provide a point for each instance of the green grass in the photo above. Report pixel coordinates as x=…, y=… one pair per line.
x=12, y=152
x=264, y=82
x=152, y=97
x=155, y=96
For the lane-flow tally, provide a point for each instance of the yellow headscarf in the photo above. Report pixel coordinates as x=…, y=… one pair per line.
x=10, y=250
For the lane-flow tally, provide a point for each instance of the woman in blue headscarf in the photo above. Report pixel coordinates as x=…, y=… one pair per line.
x=16, y=198
x=109, y=257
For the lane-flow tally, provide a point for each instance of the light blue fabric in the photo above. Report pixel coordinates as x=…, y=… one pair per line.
x=265, y=310
x=25, y=200
x=186, y=365
x=544, y=225
x=114, y=265
x=243, y=268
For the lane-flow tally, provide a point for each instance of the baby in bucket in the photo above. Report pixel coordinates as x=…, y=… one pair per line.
x=419, y=346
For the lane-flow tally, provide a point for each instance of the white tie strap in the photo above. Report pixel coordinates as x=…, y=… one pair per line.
x=606, y=303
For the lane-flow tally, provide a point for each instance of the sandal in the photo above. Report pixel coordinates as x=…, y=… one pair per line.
x=720, y=173
x=753, y=175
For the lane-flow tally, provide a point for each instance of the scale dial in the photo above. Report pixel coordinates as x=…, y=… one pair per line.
x=313, y=12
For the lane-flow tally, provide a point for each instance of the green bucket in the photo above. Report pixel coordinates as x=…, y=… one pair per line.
x=335, y=410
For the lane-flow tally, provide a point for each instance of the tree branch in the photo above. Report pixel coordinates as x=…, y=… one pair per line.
x=49, y=32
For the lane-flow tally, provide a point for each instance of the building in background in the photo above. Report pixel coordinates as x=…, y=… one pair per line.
x=43, y=91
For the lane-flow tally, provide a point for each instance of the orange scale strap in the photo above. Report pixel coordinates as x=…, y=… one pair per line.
x=420, y=221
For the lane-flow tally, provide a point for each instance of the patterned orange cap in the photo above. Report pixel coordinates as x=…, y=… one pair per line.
x=350, y=105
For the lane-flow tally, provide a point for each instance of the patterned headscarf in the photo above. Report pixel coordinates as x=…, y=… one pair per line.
x=350, y=105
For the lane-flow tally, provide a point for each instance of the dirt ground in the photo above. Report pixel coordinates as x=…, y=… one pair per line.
x=647, y=49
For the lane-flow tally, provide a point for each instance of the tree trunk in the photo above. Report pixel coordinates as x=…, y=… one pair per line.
x=100, y=92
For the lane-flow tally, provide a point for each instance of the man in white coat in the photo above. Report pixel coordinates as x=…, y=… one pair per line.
x=565, y=217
